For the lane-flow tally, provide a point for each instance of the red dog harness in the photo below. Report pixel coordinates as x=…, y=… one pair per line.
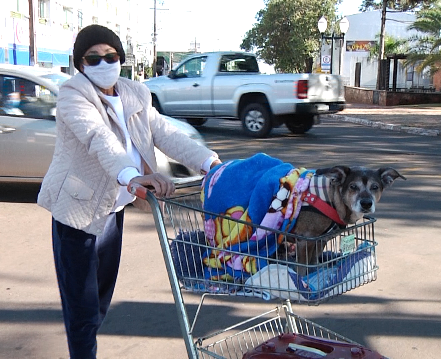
x=323, y=207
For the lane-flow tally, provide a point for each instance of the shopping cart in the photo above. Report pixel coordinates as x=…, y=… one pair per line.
x=348, y=260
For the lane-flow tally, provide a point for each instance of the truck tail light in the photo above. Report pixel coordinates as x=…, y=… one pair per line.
x=302, y=89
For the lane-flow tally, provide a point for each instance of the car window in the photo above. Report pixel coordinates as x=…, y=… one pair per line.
x=238, y=63
x=192, y=68
x=22, y=97
x=57, y=78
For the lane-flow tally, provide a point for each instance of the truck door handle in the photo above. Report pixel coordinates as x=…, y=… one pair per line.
x=195, y=84
x=4, y=129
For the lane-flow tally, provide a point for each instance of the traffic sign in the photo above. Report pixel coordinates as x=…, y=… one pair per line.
x=326, y=63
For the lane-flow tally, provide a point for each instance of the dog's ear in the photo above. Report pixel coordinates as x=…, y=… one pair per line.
x=388, y=175
x=336, y=174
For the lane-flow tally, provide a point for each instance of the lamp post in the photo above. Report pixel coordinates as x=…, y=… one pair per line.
x=344, y=27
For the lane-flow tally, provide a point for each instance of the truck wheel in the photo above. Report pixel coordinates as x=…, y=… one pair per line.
x=256, y=120
x=300, y=124
x=196, y=121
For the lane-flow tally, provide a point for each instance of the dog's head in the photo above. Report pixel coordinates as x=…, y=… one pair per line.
x=356, y=190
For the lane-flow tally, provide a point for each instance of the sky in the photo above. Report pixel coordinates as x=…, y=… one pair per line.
x=214, y=25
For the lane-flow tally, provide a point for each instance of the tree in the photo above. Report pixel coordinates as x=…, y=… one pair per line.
x=394, y=5
x=426, y=51
x=286, y=34
x=392, y=46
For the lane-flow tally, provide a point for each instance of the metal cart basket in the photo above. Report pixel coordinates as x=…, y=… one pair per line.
x=342, y=260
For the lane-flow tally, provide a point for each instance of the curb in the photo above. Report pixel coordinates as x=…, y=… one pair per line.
x=386, y=126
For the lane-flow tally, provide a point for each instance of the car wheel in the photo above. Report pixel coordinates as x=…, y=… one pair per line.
x=155, y=104
x=256, y=120
x=196, y=121
x=300, y=124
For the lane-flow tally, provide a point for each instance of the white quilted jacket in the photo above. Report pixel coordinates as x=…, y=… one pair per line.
x=81, y=185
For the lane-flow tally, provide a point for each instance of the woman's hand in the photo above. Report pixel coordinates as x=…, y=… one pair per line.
x=163, y=186
x=215, y=163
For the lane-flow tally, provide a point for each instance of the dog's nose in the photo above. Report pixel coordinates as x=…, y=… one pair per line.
x=366, y=203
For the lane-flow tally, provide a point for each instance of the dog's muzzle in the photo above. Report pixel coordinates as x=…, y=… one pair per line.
x=366, y=204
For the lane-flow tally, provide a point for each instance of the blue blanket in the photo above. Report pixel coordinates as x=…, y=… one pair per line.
x=261, y=190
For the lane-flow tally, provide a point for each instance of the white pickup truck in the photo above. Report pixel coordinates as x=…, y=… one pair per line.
x=229, y=85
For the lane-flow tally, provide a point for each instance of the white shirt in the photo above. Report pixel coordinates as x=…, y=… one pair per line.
x=124, y=197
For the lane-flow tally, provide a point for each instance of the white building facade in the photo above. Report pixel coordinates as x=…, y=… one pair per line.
x=57, y=22
x=364, y=30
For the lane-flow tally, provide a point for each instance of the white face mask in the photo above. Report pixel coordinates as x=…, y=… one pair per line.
x=103, y=75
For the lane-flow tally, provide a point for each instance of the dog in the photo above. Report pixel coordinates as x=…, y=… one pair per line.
x=274, y=194
x=350, y=192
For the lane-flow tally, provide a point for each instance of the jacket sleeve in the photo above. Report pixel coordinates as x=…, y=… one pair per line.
x=88, y=121
x=176, y=144
x=169, y=139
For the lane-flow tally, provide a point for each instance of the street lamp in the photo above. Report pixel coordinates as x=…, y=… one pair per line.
x=344, y=27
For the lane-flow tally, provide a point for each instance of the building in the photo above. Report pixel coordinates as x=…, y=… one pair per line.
x=358, y=69
x=56, y=24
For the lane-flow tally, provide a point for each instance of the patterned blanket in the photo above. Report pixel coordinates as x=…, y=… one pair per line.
x=262, y=190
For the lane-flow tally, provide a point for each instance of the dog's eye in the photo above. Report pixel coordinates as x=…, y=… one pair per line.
x=375, y=187
x=353, y=186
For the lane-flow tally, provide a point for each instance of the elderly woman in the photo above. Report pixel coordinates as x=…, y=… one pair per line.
x=106, y=133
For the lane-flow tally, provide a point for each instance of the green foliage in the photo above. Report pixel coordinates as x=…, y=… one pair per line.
x=425, y=52
x=286, y=33
x=392, y=46
x=397, y=5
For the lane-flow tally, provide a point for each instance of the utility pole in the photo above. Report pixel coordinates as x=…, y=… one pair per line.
x=32, y=44
x=155, y=55
x=154, y=40
x=380, y=73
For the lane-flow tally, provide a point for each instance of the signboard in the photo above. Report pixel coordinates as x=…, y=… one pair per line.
x=326, y=63
x=360, y=46
x=130, y=60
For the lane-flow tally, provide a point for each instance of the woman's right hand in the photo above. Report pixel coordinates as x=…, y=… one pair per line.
x=163, y=186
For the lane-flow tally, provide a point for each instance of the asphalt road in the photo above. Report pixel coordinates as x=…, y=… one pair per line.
x=398, y=314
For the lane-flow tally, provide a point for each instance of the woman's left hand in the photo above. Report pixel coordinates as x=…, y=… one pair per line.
x=163, y=186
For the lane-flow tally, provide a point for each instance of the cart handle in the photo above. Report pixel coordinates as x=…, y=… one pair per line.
x=141, y=191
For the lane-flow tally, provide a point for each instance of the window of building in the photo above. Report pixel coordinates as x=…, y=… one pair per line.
x=42, y=9
x=80, y=19
x=68, y=15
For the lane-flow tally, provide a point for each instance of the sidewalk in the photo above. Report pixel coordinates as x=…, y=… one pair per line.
x=416, y=119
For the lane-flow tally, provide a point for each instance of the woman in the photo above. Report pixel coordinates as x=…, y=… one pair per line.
x=106, y=133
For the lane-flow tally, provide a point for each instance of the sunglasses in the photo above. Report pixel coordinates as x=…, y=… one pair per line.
x=94, y=60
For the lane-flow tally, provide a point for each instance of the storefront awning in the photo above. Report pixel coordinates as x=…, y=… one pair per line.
x=44, y=56
x=19, y=55
x=60, y=59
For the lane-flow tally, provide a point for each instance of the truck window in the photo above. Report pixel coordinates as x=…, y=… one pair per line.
x=192, y=68
x=238, y=63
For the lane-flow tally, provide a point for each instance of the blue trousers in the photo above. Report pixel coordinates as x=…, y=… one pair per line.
x=87, y=268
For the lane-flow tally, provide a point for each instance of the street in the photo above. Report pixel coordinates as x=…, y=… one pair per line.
x=398, y=314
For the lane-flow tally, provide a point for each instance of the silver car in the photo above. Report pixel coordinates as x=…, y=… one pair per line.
x=27, y=126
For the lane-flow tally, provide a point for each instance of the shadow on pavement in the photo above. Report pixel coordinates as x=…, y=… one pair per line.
x=151, y=319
